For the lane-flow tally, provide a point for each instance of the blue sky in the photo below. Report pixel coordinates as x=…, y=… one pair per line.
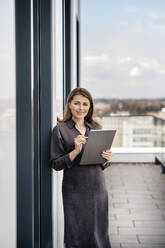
x=123, y=52
x=123, y=48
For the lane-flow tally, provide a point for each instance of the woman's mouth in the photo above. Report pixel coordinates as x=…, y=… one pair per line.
x=79, y=113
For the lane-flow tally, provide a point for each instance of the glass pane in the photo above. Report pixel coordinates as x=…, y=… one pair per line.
x=57, y=110
x=7, y=126
x=57, y=68
x=123, y=67
x=74, y=16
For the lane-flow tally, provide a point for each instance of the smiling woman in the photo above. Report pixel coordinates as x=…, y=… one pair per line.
x=84, y=192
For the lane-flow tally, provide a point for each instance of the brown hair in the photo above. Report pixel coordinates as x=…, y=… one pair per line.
x=67, y=112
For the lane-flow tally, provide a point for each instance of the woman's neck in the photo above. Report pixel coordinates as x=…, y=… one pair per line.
x=79, y=122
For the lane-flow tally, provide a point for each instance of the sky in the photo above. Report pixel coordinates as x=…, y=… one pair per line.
x=123, y=48
x=123, y=51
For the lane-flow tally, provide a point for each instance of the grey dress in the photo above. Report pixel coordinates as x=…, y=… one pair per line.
x=84, y=192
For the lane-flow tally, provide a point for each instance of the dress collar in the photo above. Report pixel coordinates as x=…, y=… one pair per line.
x=71, y=123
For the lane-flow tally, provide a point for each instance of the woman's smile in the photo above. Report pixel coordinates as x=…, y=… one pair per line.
x=80, y=113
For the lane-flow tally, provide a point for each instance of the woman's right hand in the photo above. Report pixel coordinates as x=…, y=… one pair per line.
x=78, y=142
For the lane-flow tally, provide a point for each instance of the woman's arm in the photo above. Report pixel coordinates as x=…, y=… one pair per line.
x=73, y=154
x=59, y=159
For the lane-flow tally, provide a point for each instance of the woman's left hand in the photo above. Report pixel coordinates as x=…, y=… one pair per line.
x=107, y=154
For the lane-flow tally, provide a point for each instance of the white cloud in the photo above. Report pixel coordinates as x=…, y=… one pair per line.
x=131, y=9
x=156, y=17
x=148, y=63
x=123, y=23
x=135, y=72
x=152, y=64
x=125, y=60
x=95, y=59
x=141, y=65
x=161, y=71
x=137, y=29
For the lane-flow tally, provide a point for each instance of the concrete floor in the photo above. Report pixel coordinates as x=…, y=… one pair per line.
x=136, y=205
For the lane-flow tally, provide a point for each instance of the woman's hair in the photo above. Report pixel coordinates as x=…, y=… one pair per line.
x=67, y=111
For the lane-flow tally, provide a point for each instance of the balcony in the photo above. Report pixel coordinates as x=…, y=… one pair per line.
x=136, y=181
x=136, y=205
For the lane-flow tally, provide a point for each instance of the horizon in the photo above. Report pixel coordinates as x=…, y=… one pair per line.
x=154, y=99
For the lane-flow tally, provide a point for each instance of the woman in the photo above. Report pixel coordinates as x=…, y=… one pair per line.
x=85, y=197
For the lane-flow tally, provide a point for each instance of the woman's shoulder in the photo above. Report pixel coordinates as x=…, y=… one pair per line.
x=59, y=125
x=59, y=129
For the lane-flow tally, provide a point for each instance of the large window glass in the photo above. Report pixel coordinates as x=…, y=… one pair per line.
x=57, y=110
x=75, y=24
x=57, y=68
x=123, y=67
x=7, y=126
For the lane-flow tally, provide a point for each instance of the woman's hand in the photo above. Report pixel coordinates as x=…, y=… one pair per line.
x=78, y=142
x=107, y=155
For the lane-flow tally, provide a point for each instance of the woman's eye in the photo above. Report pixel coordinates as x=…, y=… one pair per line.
x=84, y=104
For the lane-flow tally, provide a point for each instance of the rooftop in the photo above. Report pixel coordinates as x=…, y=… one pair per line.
x=136, y=205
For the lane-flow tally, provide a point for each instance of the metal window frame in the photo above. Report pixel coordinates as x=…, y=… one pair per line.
x=23, y=124
x=67, y=40
x=78, y=51
x=78, y=43
x=45, y=122
x=33, y=124
x=66, y=9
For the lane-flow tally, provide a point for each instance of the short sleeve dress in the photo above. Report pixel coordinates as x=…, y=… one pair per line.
x=85, y=197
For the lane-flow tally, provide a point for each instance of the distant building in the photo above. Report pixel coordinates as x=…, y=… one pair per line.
x=160, y=113
x=136, y=131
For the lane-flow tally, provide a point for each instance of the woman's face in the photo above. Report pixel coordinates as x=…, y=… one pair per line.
x=79, y=107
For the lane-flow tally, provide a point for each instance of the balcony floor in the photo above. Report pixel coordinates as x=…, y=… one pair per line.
x=136, y=205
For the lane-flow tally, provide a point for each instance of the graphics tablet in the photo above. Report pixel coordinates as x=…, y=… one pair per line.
x=98, y=140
